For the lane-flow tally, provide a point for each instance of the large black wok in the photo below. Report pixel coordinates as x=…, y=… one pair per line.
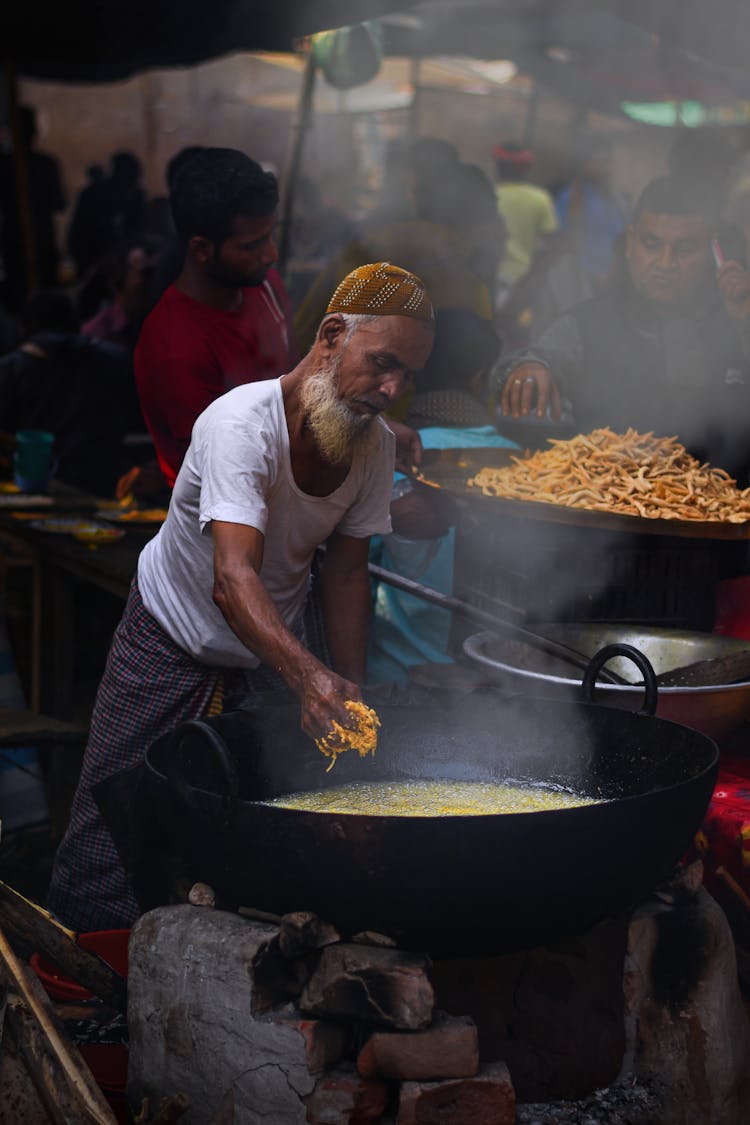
x=445, y=885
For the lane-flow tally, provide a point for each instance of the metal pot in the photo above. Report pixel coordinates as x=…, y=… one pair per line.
x=465, y=884
x=715, y=711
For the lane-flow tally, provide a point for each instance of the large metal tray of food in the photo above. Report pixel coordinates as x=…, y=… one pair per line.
x=449, y=470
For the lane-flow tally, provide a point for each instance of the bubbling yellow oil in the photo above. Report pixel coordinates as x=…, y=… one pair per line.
x=433, y=798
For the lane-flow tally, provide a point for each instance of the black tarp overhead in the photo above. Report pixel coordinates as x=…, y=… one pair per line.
x=107, y=40
x=104, y=40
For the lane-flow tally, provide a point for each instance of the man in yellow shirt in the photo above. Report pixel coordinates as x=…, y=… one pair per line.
x=528, y=212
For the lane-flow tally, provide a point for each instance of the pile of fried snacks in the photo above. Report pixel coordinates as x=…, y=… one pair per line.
x=362, y=736
x=630, y=474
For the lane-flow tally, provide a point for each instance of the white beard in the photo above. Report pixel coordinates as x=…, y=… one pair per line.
x=338, y=430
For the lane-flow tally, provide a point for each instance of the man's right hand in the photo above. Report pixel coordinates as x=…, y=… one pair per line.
x=529, y=385
x=322, y=699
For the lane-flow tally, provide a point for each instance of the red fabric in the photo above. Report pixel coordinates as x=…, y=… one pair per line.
x=189, y=353
x=733, y=608
x=723, y=840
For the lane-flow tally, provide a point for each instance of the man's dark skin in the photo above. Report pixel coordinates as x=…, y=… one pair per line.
x=667, y=258
x=215, y=274
x=377, y=364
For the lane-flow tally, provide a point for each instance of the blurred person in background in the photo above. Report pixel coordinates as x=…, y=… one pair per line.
x=452, y=239
x=127, y=198
x=527, y=210
x=120, y=317
x=591, y=211
x=46, y=199
x=319, y=231
x=108, y=213
x=707, y=158
x=665, y=347
x=226, y=320
x=89, y=232
x=592, y=220
x=426, y=159
x=452, y=389
x=78, y=389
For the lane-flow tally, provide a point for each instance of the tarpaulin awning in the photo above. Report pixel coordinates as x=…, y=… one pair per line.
x=106, y=40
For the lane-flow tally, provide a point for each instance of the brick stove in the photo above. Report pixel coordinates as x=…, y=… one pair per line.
x=640, y=1021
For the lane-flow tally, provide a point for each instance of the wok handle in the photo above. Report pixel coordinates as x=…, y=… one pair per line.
x=599, y=659
x=207, y=741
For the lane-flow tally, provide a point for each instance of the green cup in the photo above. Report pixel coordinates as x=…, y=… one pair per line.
x=32, y=461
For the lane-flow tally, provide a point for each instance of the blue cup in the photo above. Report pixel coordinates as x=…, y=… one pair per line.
x=32, y=461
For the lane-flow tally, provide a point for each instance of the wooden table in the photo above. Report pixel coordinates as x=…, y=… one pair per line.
x=57, y=562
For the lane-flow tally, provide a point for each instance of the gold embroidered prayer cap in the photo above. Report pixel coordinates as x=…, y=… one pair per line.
x=380, y=289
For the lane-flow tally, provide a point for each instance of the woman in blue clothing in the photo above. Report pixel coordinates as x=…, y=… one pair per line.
x=451, y=411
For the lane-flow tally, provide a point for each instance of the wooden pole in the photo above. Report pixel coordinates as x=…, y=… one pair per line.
x=35, y=927
x=415, y=75
x=532, y=117
x=62, y=1079
x=21, y=172
x=291, y=177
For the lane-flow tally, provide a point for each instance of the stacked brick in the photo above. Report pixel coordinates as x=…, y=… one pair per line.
x=294, y=1025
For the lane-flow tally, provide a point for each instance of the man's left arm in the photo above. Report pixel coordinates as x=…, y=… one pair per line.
x=347, y=604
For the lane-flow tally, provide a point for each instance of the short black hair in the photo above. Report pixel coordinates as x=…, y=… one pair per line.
x=674, y=195
x=216, y=186
x=176, y=163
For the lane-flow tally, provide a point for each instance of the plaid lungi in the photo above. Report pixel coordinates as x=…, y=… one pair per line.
x=150, y=685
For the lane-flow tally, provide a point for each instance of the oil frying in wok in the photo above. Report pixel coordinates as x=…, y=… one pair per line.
x=432, y=798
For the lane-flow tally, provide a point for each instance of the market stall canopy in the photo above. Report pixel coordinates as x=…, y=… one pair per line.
x=716, y=31
x=597, y=53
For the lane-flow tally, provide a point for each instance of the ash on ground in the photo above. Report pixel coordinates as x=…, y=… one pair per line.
x=626, y=1103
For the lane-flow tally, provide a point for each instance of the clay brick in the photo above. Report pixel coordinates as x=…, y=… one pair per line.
x=486, y=1099
x=325, y=1043
x=447, y=1049
x=378, y=986
x=372, y=937
x=343, y=1098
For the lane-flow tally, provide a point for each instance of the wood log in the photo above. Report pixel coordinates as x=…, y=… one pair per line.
x=63, y=1081
x=37, y=929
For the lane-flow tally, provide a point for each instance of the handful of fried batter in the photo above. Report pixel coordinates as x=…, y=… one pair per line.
x=362, y=736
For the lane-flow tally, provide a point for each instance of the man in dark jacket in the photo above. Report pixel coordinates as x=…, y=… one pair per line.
x=666, y=347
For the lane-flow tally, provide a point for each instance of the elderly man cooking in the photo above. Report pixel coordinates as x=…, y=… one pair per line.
x=666, y=347
x=274, y=469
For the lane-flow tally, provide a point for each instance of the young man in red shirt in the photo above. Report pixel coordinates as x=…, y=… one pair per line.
x=227, y=318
